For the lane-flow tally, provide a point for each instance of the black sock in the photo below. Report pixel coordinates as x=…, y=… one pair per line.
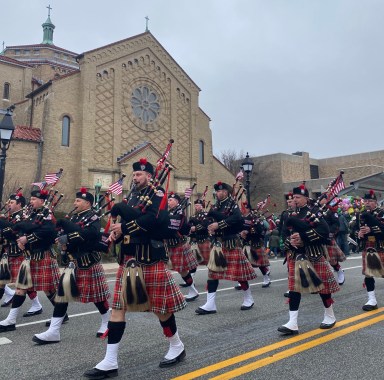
x=115, y=332
x=369, y=284
x=2, y=290
x=212, y=285
x=60, y=309
x=102, y=306
x=188, y=279
x=17, y=301
x=294, y=301
x=169, y=326
x=327, y=299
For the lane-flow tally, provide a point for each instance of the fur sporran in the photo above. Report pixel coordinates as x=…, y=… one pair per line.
x=5, y=273
x=373, y=265
x=196, y=251
x=24, y=277
x=133, y=291
x=248, y=254
x=67, y=290
x=217, y=261
x=306, y=278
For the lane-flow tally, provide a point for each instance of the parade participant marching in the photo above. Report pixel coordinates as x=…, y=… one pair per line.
x=308, y=272
x=253, y=243
x=227, y=260
x=39, y=270
x=371, y=233
x=84, y=275
x=181, y=258
x=12, y=255
x=143, y=259
x=336, y=255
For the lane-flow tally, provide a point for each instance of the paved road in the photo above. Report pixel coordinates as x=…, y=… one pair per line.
x=229, y=344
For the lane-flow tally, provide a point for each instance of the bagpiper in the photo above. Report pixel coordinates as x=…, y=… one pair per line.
x=227, y=260
x=143, y=282
x=309, y=271
x=83, y=279
x=371, y=234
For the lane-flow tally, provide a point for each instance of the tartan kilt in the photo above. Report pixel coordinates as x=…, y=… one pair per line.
x=368, y=244
x=238, y=269
x=336, y=255
x=92, y=284
x=182, y=258
x=262, y=257
x=14, y=266
x=205, y=250
x=164, y=295
x=45, y=273
x=324, y=271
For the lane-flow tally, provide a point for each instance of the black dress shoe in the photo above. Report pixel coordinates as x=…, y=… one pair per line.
x=6, y=304
x=7, y=328
x=32, y=313
x=183, y=285
x=266, y=285
x=286, y=294
x=287, y=331
x=326, y=326
x=246, y=307
x=190, y=299
x=171, y=362
x=96, y=374
x=238, y=287
x=42, y=342
x=201, y=311
x=369, y=307
x=65, y=320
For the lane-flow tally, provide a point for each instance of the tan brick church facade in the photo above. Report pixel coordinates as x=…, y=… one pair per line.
x=95, y=113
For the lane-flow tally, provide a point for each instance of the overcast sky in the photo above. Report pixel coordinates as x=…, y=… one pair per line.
x=276, y=76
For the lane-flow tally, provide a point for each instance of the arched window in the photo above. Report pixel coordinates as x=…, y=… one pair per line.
x=6, y=91
x=65, y=127
x=201, y=152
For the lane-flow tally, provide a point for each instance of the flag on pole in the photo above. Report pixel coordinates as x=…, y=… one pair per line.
x=40, y=185
x=188, y=192
x=53, y=178
x=263, y=203
x=338, y=186
x=240, y=175
x=116, y=187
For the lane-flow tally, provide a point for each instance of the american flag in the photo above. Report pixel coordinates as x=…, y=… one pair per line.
x=116, y=187
x=53, y=178
x=263, y=203
x=240, y=175
x=188, y=192
x=338, y=186
x=40, y=185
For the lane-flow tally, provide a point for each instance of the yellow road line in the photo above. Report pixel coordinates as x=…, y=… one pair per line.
x=295, y=350
x=272, y=347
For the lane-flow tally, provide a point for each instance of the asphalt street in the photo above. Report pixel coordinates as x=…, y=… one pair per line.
x=229, y=344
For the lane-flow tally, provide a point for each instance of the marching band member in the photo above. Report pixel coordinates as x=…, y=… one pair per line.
x=39, y=270
x=78, y=244
x=308, y=269
x=13, y=254
x=144, y=254
x=181, y=258
x=227, y=222
x=371, y=233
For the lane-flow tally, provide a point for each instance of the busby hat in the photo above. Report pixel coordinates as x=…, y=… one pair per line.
x=288, y=196
x=143, y=165
x=174, y=196
x=301, y=190
x=41, y=194
x=370, y=195
x=18, y=198
x=84, y=194
x=222, y=186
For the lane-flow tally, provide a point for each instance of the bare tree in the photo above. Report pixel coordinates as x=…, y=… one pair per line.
x=231, y=158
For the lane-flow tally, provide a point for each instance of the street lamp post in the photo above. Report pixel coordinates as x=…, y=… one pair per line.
x=247, y=166
x=6, y=132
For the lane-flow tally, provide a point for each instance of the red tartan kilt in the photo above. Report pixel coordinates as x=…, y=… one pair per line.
x=205, y=250
x=262, y=257
x=368, y=244
x=239, y=268
x=14, y=266
x=324, y=271
x=182, y=258
x=92, y=284
x=45, y=274
x=336, y=255
x=164, y=295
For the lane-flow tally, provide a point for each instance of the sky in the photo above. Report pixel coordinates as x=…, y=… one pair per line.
x=276, y=76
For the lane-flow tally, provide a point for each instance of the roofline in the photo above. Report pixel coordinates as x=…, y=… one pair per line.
x=46, y=46
x=39, y=89
x=13, y=61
